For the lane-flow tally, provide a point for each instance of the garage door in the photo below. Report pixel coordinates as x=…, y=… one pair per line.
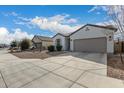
x=90, y=45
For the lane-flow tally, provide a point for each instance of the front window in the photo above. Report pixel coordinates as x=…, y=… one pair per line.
x=58, y=41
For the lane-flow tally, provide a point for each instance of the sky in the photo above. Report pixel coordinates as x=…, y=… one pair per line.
x=24, y=21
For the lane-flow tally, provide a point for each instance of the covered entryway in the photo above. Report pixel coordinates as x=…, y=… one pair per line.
x=91, y=45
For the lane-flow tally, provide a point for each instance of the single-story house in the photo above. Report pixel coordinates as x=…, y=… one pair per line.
x=89, y=38
x=41, y=42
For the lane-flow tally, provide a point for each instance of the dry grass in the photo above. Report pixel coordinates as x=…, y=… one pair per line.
x=36, y=54
x=115, y=68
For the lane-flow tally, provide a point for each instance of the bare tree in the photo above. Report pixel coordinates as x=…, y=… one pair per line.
x=116, y=13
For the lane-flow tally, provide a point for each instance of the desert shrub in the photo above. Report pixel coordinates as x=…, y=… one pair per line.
x=25, y=44
x=58, y=47
x=51, y=48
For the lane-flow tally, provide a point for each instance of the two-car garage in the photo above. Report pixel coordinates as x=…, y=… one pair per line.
x=93, y=38
x=91, y=45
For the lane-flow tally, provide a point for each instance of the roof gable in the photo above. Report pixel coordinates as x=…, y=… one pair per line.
x=99, y=26
x=59, y=34
x=104, y=27
x=37, y=38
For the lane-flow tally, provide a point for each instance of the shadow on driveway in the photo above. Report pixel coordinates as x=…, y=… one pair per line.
x=100, y=58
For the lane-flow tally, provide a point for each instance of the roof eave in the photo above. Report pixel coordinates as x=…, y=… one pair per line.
x=59, y=34
x=115, y=29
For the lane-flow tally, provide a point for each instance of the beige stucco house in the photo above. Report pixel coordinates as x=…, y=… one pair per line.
x=41, y=42
x=62, y=40
x=89, y=38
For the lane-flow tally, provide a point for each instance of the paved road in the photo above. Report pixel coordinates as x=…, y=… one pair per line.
x=70, y=70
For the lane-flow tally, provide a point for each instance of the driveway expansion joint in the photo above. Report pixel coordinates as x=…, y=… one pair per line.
x=3, y=80
x=75, y=67
x=34, y=79
x=78, y=79
x=41, y=75
x=68, y=66
x=13, y=65
x=19, y=71
x=59, y=63
x=46, y=69
x=57, y=74
x=89, y=71
x=123, y=82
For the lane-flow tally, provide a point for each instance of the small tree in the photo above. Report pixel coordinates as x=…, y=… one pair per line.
x=13, y=44
x=116, y=13
x=25, y=44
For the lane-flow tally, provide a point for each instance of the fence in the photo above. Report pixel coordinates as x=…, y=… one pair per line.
x=119, y=47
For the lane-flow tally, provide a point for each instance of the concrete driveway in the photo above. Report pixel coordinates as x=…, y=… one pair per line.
x=70, y=70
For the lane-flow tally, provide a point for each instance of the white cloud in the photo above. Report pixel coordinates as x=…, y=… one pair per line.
x=63, y=18
x=61, y=23
x=98, y=7
x=93, y=9
x=13, y=14
x=6, y=37
x=72, y=20
x=54, y=24
x=24, y=18
x=105, y=23
x=20, y=20
x=10, y=14
x=98, y=13
x=59, y=18
x=107, y=8
x=28, y=24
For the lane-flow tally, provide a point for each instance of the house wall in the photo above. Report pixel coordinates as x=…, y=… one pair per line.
x=41, y=43
x=63, y=42
x=36, y=40
x=110, y=44
x=46, y=43
x=67, y=43
x=93, y=32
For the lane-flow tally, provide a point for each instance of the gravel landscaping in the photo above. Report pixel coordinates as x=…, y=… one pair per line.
x=37, y=54
x=115, y=68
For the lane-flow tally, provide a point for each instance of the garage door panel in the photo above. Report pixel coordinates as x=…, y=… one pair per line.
x=90, y=45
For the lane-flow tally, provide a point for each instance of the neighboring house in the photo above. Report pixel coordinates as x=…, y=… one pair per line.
x=89, y=38
x=41, y=42
x=4, y=45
